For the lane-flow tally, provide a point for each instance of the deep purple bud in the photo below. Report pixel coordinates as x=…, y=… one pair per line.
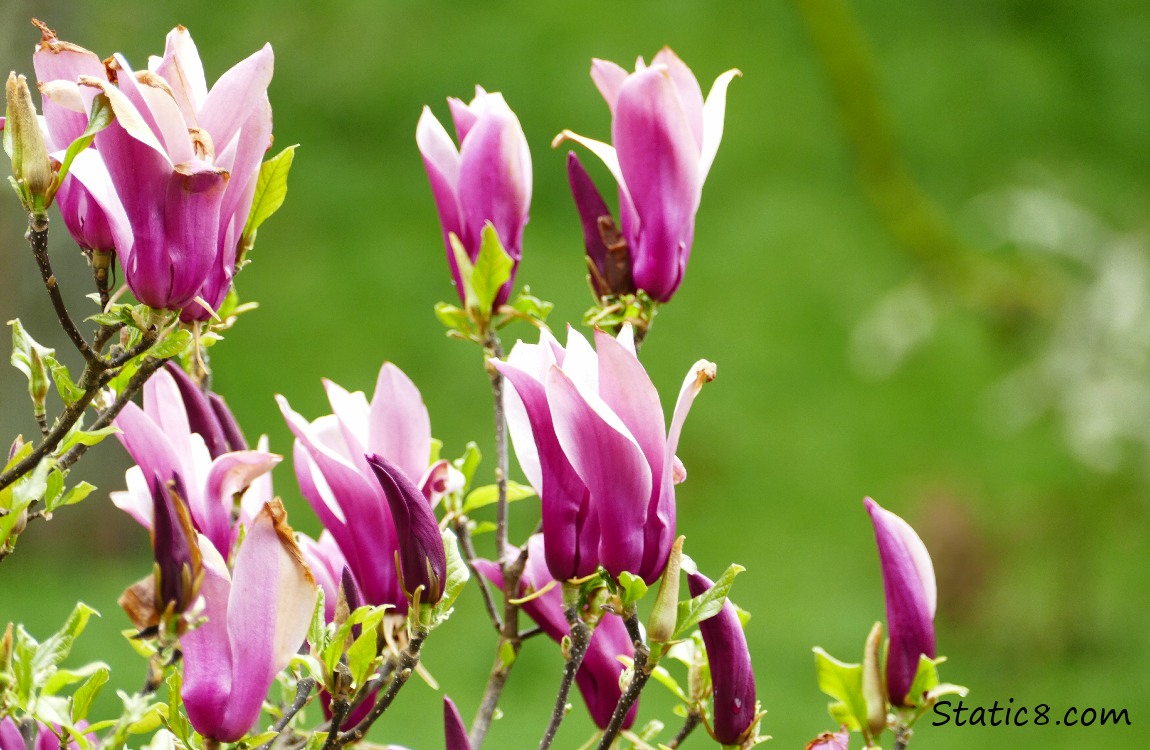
x=454, y=732
x=909, y=586
x=608, y=259
x=174, y=544
x=731, y=673
x=202, y=417
x=233, y=436
x=422, y=560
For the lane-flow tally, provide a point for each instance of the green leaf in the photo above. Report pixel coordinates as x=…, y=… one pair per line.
x=925, y=680
x=532, y=306
x=57, y=647
x=317, y=630
x=457, y=576
x=482, y=527
x=706, y=604
x=361, y=655
x=62, y=678
x=488, y=494
x=843, y=682
x=453, y=318
x=468, y=463
x=466, y=272
x=175, y=343
x=85, y=694
x=54, y=488
x=507, y=654
x=76, y=494
x=99, y=119
x=632, y=587
x=86, y=437
x=271, y=189
x=492, y=269
x=260, y=739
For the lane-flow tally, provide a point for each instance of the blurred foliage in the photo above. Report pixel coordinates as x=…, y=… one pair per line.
x=845, y=367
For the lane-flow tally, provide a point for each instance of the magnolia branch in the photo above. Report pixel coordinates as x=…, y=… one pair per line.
x=408, y=660
x=640, y=673
x=580, y=640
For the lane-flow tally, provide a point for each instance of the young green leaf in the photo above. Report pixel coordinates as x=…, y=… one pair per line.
x=493, y=269
x=271, y=189
x=84, y=696
x=488, y=494
x=843, y=682
x=707, y=604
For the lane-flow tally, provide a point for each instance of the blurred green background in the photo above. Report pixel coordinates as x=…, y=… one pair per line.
x=921, y=264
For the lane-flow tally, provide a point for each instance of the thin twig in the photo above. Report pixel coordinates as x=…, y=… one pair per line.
x=580, y=640
x=37, y=237
x=302, y=696
x=408, y=660
x=340, y=708
x=464, y=536
x=694, y=719
x=640, y=673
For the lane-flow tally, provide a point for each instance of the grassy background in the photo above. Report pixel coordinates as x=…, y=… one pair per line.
x=1041, y=560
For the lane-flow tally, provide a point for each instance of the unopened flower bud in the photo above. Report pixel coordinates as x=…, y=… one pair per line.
x=32, y=174
x=874, y=691
x=422, y=559
x=661, y=625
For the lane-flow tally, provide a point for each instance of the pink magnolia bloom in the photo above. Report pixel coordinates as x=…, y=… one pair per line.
x=343, y=490
x=665, y=139
x=257, y=618
x=184, y=161
x=169, y=438
x=911, y=598
x=486, y=179
x=87, y=199
x=729, y=658
x=598, y=676
x=830, y=741
x=588, y=430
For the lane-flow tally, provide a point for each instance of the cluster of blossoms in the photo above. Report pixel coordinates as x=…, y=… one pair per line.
x=168, y=185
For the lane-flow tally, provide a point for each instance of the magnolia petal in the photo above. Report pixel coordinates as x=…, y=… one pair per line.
x=230, y=475
x=690, y=95
x=146, y=442
x=399, y=426
x=136, y=501
x=462, y=115
x=351, y=411
x=714, y=113
x=207, y=650
x=659, y=160
x=608, y=77
x=612, y=466
x=627, y=389
x=181, y=68
x=234, y=96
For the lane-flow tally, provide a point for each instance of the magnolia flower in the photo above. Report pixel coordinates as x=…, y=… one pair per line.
x=665, y=139
x=184, y=162
x=911, y=594
x=46, y=738
x=590, y=436
x=486, y=179
x=335, y=478
x=830, y=741
x=87, y=199
x=733, y=707
x=257, y=618
x=170, y=437
x=598, y=676
x=327, y=565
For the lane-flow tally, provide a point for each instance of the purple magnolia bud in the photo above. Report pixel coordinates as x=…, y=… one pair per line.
x=731, y=673
x=184, y=161
x=422, y=559
x=608, y=258
x=454, y=732
x=486, y=179
x=176, y=549
x=665, y=139
x=909, y=586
